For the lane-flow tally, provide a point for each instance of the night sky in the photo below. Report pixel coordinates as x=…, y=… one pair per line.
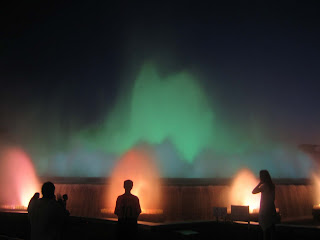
x=66, y=67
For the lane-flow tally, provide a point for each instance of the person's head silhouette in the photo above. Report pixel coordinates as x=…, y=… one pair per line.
x=48, y=189
x=265, y=176
x=128, y=184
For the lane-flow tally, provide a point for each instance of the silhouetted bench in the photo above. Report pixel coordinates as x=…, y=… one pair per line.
x=220, y=213
x=240, y=213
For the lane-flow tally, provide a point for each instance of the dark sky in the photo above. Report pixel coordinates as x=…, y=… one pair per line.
x=257, y=58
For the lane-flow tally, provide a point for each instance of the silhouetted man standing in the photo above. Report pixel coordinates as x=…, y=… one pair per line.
x=46, y=215
x=128, y=210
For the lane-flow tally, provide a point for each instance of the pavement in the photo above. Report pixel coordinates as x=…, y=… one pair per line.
x=15, y=226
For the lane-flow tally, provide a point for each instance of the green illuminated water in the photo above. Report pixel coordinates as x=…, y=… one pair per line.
x=172, y=107
x=183, y=123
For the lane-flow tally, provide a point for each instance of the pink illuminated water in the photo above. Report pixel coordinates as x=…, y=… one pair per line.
x=18, y=179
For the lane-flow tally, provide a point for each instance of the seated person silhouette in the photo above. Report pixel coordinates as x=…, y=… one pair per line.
x=128, y=210
x=46, y=215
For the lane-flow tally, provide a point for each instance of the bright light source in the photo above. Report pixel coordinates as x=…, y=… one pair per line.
x=241, y=190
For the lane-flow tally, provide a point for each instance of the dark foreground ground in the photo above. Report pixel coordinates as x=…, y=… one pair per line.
x=16, y=225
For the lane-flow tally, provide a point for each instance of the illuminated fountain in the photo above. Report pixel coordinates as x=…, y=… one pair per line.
x=313, y=151
x=191, y=141
x=174, y=200
x=316, y=185
x=138, y=165
x=18, y=179
x=241, y=190
x=241, y=193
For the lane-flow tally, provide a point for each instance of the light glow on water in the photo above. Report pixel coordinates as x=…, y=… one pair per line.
x=18, y=178
x=241, y=190
x=139, y=166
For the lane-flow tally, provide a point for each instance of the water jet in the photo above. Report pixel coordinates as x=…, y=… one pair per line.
x=18, y=179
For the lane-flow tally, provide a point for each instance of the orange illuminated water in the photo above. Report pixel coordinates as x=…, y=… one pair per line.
x=138, y=165
x=241, y=190
x=316, y=185
x=18, y=179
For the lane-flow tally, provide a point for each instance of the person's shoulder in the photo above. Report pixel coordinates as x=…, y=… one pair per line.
x=134, y=197
x=54, y=204
x=41, y=201
x=120, y=196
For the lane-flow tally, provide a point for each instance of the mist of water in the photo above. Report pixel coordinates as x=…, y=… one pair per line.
x=18, y=179
x=174, y=114
x=178, y=118
x=138, y=165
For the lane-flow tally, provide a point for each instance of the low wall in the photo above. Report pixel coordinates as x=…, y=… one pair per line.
x=187, y=202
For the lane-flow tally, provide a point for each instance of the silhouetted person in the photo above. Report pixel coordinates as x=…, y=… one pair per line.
x=46, y=215
x=33, y=200
x=63, y=202
x=267, y=212
x=65, y=198
x=128, y=210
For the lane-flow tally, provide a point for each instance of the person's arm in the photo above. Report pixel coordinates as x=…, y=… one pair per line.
x=117, y=209
x=138, y=207
x=257, y=189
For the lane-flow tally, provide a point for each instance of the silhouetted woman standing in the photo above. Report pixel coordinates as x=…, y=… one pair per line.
x=267, y=212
